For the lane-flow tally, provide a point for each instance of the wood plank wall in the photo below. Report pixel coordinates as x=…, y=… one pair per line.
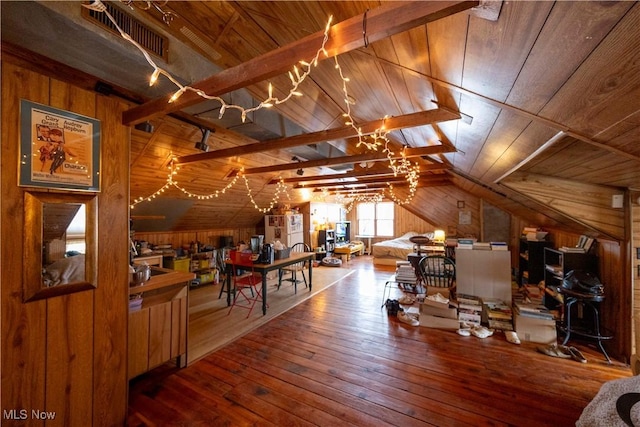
x=616, y=309
x=65, y=354
x=206, y=237
x=635, y=268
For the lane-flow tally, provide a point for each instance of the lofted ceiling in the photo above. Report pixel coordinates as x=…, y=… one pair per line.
x=483, y=96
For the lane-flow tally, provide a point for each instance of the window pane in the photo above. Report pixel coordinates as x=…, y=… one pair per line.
x=384, y=210
x=366, y=211
x=375, y=219
x=385, y=227
x=366, y=227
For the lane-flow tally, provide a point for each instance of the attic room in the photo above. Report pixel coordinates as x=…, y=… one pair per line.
x=199, y=119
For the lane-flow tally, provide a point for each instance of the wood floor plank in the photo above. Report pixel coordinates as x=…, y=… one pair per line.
x=337, y=358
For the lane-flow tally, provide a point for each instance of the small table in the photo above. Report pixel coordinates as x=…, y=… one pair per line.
x=588, y=302
x=367, y=249
x=278, y=264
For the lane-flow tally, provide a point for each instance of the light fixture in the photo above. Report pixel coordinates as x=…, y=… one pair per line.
x=439, y=236
x=144, y=127
x=300, y=172
x=202, y=144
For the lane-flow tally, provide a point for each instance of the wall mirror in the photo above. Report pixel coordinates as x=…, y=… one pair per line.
x=60, y=244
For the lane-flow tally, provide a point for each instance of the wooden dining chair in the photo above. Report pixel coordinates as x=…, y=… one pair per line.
x=437, y=271
x=298, y=267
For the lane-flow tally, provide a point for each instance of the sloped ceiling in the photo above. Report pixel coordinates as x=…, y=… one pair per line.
x=541, y=68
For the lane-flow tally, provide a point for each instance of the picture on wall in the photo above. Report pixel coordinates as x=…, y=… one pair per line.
x=58, y=149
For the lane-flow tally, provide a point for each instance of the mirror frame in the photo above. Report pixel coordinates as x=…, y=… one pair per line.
x=32, y=262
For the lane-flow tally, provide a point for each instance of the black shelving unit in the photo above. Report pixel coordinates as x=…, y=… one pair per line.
x=327, y=238
x=531, y=267
x=558, y=263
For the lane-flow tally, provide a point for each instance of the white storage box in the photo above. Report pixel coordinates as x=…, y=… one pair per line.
x=535, y=329
x=438, y=322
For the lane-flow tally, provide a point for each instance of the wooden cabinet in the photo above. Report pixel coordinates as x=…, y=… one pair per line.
x=531, y=265
x=158, y=330
x=327, y=239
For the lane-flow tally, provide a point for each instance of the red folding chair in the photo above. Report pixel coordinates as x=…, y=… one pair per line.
x=247, y=284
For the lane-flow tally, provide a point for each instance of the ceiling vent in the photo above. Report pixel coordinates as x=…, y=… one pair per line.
x=154, y=43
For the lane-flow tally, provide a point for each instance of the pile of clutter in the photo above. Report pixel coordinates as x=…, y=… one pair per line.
x=463, y=314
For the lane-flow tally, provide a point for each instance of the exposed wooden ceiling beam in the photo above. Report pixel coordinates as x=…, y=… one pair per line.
x=354, y=174
x=368, y=181
x=382, y=22
x=378, y=186
x=371, y=156
x=391, y=123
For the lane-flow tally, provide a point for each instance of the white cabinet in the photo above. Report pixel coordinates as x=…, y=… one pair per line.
x=484, y=273
x=285, y=228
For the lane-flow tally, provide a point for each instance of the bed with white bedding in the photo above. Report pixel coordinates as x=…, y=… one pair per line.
x=388, y=252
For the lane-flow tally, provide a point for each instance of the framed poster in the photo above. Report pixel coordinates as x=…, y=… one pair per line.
x=58, y=149
x=464, y=217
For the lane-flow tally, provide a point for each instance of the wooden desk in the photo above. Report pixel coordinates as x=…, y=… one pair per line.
x=265, y=268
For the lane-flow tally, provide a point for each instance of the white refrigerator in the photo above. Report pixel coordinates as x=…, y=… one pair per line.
x=285, y=228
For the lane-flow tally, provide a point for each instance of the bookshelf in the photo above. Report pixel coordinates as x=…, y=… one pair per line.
x=327, y=238
x=531, y=266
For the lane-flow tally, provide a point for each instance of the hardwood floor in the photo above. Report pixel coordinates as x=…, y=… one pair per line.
x=212, y=325
x=339, y=359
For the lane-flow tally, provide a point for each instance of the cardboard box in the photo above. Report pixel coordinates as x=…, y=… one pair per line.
x=535, y=329
x=432, y=290
x=438, y=322
x=443, y=310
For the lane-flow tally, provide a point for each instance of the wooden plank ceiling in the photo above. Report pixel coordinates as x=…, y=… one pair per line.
x=478, y=100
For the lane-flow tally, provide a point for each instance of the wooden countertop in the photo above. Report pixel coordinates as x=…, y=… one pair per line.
x=170, y=278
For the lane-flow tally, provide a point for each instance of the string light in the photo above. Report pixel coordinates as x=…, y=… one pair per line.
x=270, y=101
x=167, y=15
x=371, y=141
x=281, y=188
x=171, y=182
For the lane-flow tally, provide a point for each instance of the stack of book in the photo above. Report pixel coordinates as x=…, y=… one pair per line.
x=499, y=246
x=533, y=234
x=571, y=249
x=555, y=269
x=465, y=243
x=538, y=311
x=499, y=314
x=405, y=273
x=469, y=309
x=584, y=246
x=486, y=246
